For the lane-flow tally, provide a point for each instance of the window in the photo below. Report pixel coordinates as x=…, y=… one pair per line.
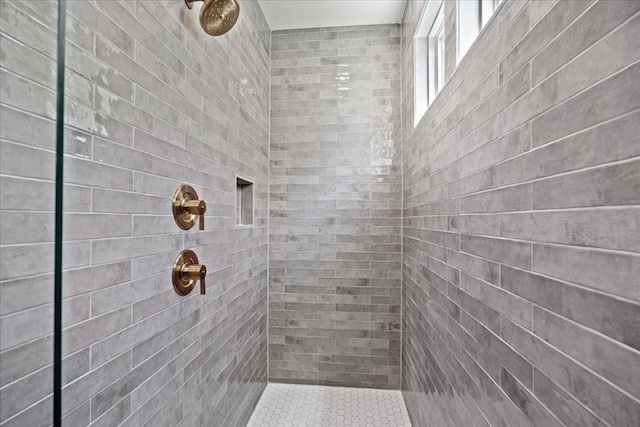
x=473, y=15
x=429, y=57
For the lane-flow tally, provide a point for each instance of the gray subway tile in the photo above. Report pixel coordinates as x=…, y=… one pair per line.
x=530, y=150
x=611, y=272
x=501, y=250
x=620, y=366
x=537, y=413
x=516, y=198
x=611, y=316
x=604, y=101
x=564, y=406
x=617, y=229
x=589, y=28
x=584, y=149
x=611, y=404
x=611, y=185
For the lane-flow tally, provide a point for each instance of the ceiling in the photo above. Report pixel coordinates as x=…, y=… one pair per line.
x=290, y=14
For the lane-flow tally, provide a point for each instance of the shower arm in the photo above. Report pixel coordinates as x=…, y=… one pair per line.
x=190, y=3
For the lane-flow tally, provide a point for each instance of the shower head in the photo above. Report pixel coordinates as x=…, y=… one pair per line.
x=217, y=16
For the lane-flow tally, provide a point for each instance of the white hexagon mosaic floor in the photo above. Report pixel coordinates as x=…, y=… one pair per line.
x=293, y=405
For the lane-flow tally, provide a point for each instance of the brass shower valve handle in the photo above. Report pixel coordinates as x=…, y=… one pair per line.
x=195, y=207
x=186, y=272
x=196, y=272
x=187, y=207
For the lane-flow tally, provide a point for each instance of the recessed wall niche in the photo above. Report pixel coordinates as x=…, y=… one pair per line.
x=244, y=202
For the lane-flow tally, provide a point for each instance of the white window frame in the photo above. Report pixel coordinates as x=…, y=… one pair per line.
x=429, y=57
x=471, y=18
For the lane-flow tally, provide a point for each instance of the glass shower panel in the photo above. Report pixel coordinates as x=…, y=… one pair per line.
x=99, y=196
x=123, y=320
x=28, y=94
x=164, y=292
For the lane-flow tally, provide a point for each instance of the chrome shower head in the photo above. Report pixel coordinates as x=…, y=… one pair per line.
x=217, y=16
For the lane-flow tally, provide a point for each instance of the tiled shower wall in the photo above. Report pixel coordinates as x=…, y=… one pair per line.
x=152, y=102
x=335, y=206
x=521, y=301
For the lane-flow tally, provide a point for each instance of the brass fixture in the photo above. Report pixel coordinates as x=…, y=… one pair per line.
x=186, y=271
x=187, y=207
x=217, y=16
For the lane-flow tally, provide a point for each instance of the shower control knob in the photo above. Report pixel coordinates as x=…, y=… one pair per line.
x=188, y=208
x=195, y=207
x=186, y=272
x=196, y=272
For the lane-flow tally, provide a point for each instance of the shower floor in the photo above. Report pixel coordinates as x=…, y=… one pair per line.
x=293, y=405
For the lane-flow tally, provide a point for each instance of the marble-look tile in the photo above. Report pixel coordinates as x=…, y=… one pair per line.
x=151, y=103
x=335, y=205
x=529, y=158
